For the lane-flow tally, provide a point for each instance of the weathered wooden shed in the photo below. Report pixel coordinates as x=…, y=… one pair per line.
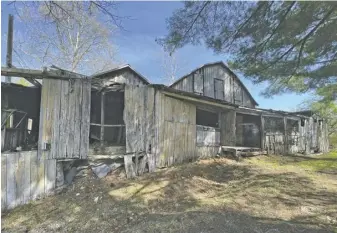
x=118, y=114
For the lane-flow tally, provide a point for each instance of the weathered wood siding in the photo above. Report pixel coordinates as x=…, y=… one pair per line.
x=65, y=118
x=125, y=76
x=177, y=133
x=25, y=177
x=300, y=135
x=185, y=85
x=11, y=138
x=233, y=90
x=203, y=152
x=139, y=119
x=228, y=128
x=208, y=136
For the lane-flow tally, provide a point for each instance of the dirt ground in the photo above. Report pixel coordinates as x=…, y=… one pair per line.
x=266, y=194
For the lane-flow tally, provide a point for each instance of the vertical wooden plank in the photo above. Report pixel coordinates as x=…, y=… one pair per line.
x=71, y=119
x=50, y=175
x=102, y=118
x=129, y=166
x=262, y=133
x=26, y=180
x=43, y=116
x=33, y=176
x=66, y=121
x=12, y=164
x=63, y=121
x=85, y=121
x=41, y=174
x=285, y=139
x=55, y=139
x=3, y=182
x=20, y=178
x=50, y=106
x=77, y=120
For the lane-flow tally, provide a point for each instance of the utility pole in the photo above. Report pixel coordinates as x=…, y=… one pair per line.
x=9, y=45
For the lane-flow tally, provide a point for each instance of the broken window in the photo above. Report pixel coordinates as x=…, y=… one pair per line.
x=207, y=118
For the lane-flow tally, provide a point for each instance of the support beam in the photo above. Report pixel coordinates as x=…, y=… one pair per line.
x=9, y=45
x=102, y=117
x=285, y=135
x=262, y=132
x=39, y=74
x=34, y=82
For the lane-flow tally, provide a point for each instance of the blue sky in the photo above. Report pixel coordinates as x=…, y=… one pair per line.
x=137, y=47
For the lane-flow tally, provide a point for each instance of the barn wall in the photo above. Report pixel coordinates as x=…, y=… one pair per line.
x=295, y=135
x=228, y=129
x=233, y=90
x=25, y=177
x=186, y=84
x=204, y=152
x=208, y=136
x=125, y=76
x=178, y=138
x=65, y=118
x=139, y=113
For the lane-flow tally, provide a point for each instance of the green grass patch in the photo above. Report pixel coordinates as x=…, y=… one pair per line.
x=321, y=163
x=317, y=163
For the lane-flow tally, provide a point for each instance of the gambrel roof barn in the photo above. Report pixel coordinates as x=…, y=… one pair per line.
x=217, y=81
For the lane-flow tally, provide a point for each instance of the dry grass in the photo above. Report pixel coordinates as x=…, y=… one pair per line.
x=261, y=194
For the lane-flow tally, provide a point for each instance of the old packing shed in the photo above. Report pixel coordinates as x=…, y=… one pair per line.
x=55, y=117
x=118, y=114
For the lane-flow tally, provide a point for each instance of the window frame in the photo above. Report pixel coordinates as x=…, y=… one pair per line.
x=215, y=89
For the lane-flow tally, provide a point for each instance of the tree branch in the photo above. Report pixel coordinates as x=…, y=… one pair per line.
x=303, y=40
x=193, y=22
x=277, y=27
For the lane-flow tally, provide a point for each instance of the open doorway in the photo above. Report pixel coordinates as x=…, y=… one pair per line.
x=107, y=127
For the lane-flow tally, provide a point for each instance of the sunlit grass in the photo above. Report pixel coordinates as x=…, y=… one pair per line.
x=322, y=162
x=325, y=162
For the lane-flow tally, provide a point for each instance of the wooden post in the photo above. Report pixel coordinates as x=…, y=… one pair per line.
x=9, y=45
x=285, y=141
x=102, y=117
x=262, y=133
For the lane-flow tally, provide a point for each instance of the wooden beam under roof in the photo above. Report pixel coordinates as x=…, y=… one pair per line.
x=40, y=74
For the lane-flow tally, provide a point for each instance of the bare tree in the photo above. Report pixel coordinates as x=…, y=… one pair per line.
x=71, y=35
x=171, y=65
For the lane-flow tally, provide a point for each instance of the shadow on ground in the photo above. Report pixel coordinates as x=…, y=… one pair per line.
x=215, y=195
